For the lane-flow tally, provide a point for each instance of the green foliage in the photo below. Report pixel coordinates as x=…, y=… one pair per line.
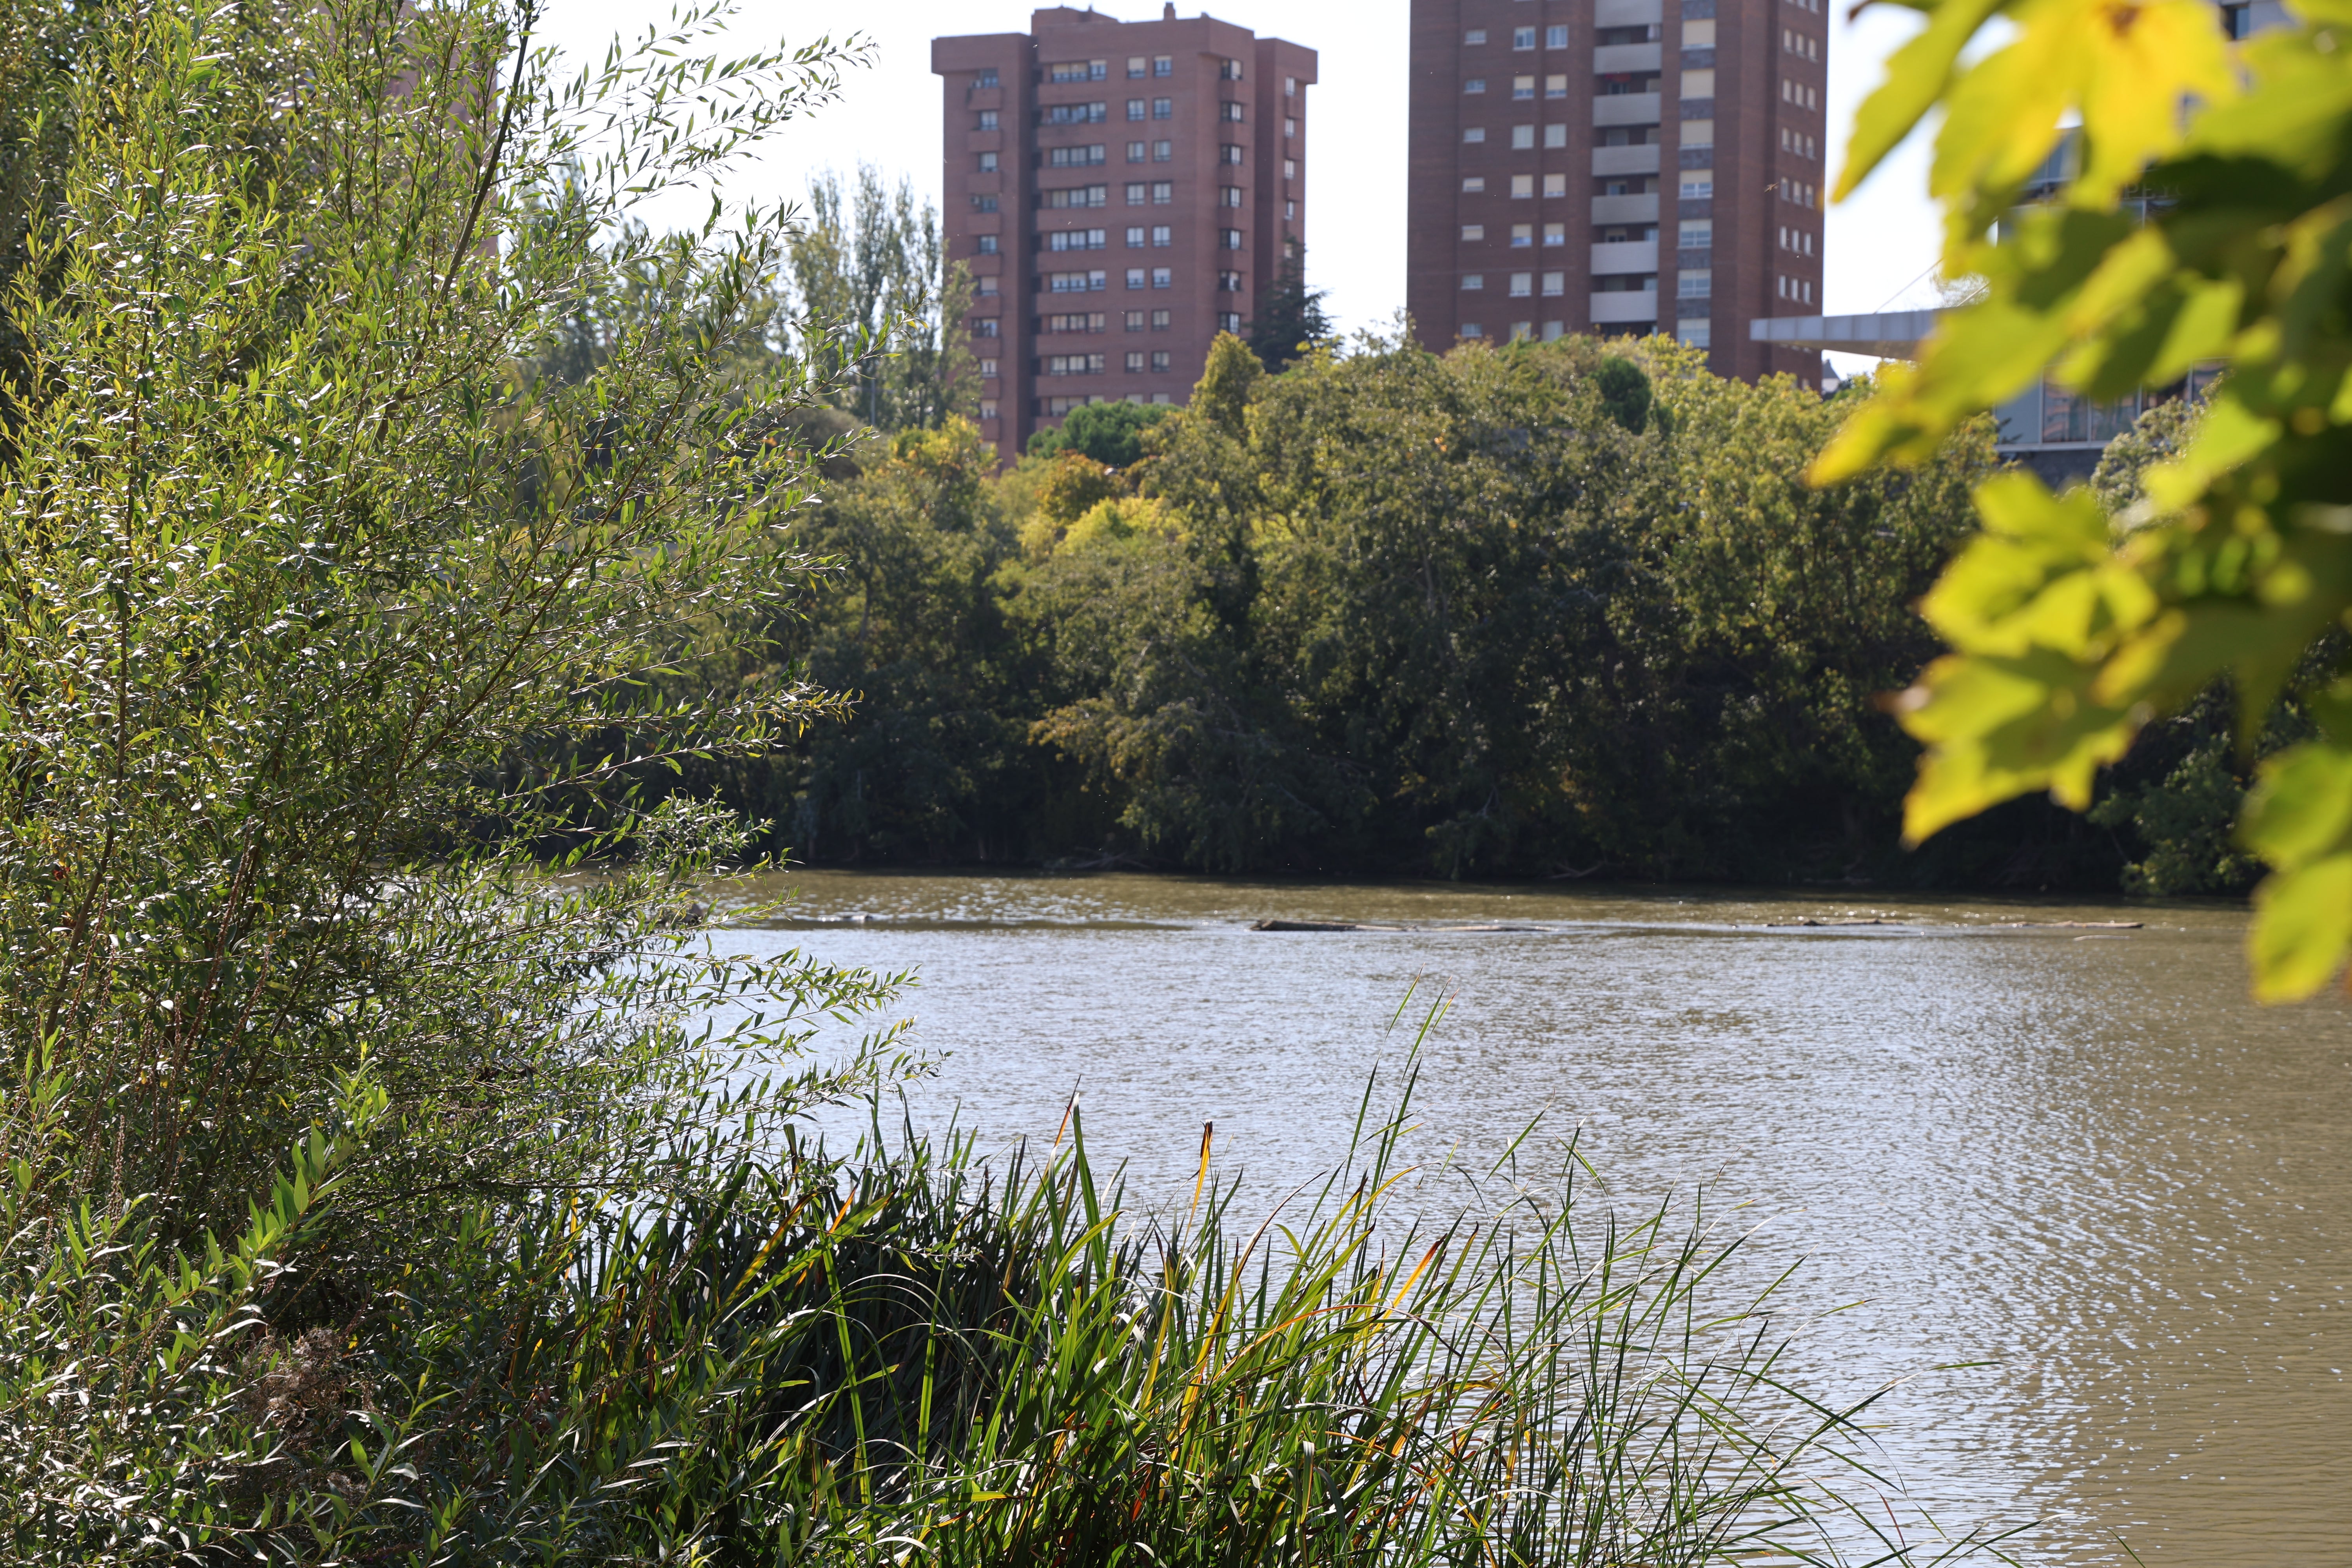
x=2070, y=634
x=873, y=286
x=1625, y=393
x=1109, y=433
x=1289, y=320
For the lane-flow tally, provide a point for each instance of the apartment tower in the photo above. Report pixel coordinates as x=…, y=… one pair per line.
x=1618, y=166
x=1121, y=192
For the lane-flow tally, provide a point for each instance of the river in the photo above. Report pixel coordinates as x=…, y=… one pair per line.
x=2071, y=1152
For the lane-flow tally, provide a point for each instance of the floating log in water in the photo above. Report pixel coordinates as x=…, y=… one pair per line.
x=1318, y=925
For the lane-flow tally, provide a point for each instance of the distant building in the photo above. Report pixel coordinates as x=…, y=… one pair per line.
x=1121, y=190
x=1618, y=166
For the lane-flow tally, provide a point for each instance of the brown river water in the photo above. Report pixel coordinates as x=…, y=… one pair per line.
x=2078, y=1155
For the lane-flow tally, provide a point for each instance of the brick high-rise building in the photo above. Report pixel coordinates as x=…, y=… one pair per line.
x=1121, y=190
x=1618, y=166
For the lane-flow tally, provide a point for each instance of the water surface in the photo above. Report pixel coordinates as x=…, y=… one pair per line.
x=2074, y=1152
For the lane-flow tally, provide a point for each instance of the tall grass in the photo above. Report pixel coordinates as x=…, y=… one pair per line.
x=916, y=1355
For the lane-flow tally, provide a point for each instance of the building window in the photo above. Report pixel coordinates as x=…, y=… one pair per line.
x=1523, y=88
x=1555, y=36
x=1523, y=137
x=1472, y=232
x=1473, y=185
x=1698, y=333
x=1073, y=157
x=1290, y=129
x=1554, y=330
x=1076, y=283
x=984, y=203
x=1290, y=168
x=1163, y=64
x=1555, y=284
x=988, y=244
x=1135, y=152
x=1075, y=364
x=984, y=287
x=1230, y=112
x=1555, y=135
x=1134, y=320
x=1229, y=70
x=988, y=370
x=1695, y=233
x=1475, y=84
x=1555, y=87
x=1078, y=71
x=985, y=78
x=1228, y=152
x=1135, y=362
x=1074, y=114
x=1160, y=360
x=1523, y=235
x=986, y=327
x=1161, y=151
x=1523, y=285
x=1229, y=238
x=1159, y=321
x=1290, y=87
x=1134, y=277
x=1555, y=185
x=1136, y=65
x=1163, y=278
x=987, y=408
x=988, y=163
x=1290, y=212
x=1163, y=109
x=1162, y=235
x=1523, y=187
x=1076, y=322
x=1473, y=134
x=1472, y=282
x=1135, y=109
x=1474, y=37
x=1698, y=184
x=1472, y=329
x=1135, y=237
x=1162, y=192
x=1076, y=239
x=1229, y=283
x=1523, y=37
x=988, y=120
x=1076, y=196
x=1229, y=320
x=1135, y=194
x=1555, y=234
x=1229, y=195
x=1521, y=331
x=1696, y=284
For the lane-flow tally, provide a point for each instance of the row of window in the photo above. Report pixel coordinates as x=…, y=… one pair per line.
x=1800, y=194
x=1697, y=331
x=1160, y=236
x=1692, y=283
x=1097, y=279
x=1554, y=38
x=1157, y=193
x=1797, y=141
x=1158, y=361
x=1798, y=94
x=1695, y=185
x=1793, y=42
x=1096, y=155
x=1098, y=321
x=1798, y=288
x=1799, y=240
x=1095, y=113
x=1522, y=136
x=1523, y=88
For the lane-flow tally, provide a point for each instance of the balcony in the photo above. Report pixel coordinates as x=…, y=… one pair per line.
x=1628, y=13
x=1625, y=255
x=1616, y=310
x=1611, y=58
x=1626, y=108
x=1625, y=209
x=1642, y=160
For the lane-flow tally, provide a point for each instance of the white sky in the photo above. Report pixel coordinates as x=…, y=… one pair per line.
x=1881, y=244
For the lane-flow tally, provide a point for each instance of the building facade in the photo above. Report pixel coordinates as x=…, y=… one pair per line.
x=1618, y=166
x=1121, y=192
